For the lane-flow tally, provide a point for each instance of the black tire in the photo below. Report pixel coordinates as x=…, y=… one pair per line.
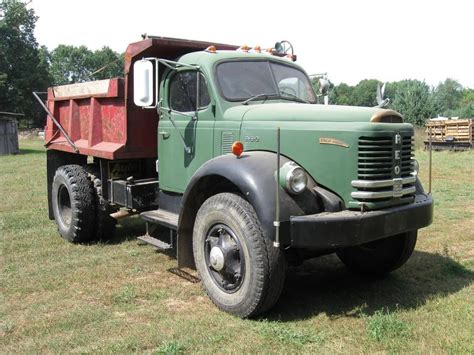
x=73, y=203
x=104, y=224
x=381, y=256
x=229, y=222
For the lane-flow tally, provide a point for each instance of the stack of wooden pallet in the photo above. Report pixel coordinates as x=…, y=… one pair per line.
x=454, y=134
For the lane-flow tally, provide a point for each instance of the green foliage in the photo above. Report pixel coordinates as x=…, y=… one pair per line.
x=383, y=326
x=70, y=64
x=22, y=69
x=448, y=95
x=170, y=347
x=287, y=334
x=126, y=295
x=363, y=94
x=342, y=95
x=413, y=99
x=465, y=107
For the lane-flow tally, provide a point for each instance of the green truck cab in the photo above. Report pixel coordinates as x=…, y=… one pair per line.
x=252, y=173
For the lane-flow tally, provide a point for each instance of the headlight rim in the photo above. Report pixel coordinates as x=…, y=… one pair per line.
x=290, y=175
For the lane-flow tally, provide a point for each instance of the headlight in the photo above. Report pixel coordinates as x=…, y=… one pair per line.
x=293, y=178
x=416, y=166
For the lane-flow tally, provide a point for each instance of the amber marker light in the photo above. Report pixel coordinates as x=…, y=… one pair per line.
x=211, y=49
x=244, y=48
x=237, y=148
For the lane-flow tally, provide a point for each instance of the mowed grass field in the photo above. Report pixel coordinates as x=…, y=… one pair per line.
x=122, y=297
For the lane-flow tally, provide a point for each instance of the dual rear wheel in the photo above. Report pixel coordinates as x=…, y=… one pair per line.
x=81, y=214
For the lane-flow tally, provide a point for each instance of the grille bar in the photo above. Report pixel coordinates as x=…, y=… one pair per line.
x=385, y=168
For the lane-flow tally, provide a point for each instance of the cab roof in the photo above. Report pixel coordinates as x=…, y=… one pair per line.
x=208, y=59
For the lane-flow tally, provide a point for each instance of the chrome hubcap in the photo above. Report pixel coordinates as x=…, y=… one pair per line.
x=224, y=258
x=217, y=258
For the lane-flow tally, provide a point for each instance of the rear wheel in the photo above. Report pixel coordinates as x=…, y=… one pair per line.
x=104, y=224
x=72, y=202
x=241, y=271
x=381, y=256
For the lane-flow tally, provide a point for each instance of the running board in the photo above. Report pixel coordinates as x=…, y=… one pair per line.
x=162, y=217
x=158, y=244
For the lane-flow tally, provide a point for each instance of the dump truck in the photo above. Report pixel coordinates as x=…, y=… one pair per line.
x=234, y=168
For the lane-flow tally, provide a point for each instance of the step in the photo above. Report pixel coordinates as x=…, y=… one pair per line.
x=161, y=217
x=158, y=244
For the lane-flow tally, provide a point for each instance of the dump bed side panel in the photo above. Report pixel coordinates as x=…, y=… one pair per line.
x=94, y=115
x=100, y=117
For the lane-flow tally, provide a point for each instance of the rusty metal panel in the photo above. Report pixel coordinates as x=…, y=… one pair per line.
x=100, y=116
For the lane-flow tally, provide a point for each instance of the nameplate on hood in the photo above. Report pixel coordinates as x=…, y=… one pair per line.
x=333, y=141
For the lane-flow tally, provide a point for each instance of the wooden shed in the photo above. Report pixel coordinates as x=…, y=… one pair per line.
x=8, y=134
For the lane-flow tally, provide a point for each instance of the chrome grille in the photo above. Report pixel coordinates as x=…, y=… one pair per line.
x=385, y=168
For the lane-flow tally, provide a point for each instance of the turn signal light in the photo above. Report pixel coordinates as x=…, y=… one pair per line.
x=211, y=49
x=237, y=148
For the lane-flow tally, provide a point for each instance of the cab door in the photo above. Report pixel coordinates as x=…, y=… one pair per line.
x=185, y=135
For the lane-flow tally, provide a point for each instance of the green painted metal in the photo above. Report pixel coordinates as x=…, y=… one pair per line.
x=306, y=130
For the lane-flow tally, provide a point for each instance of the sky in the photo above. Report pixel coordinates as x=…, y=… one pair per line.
x=350, y=40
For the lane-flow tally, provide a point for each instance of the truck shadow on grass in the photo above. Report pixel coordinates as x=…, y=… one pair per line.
x=28, y=151
x=325, y=285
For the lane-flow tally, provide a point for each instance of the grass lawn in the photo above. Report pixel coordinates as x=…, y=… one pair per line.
x=121, y=297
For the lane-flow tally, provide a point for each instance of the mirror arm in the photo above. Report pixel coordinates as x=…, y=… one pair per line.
x=197, y=93
x=169, y=111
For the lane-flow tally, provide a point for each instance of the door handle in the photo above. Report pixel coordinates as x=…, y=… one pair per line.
x=164, y=134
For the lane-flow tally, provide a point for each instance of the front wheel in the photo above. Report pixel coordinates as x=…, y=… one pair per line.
x=381, y=256
x=241, y=271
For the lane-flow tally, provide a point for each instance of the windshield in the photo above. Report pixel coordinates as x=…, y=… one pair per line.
x=241, y=80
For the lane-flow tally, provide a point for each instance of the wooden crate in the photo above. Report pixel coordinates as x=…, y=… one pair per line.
x=453, y=132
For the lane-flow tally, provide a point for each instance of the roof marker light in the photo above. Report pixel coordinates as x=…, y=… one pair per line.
x=243, y=48
x=211, y=49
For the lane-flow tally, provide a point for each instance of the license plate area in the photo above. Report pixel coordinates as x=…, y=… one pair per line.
x=398, y=187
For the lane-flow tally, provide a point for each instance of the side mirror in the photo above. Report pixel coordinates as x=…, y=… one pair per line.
x=143, y=94
x=323, y=86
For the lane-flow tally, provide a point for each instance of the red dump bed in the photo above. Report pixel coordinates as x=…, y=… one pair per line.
x=100, y=116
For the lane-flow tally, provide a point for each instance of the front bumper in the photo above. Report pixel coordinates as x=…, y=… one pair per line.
x=348, y=228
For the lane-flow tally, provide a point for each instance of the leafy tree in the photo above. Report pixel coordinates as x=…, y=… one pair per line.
x=365, y=93
x=342, y=94
x=21, y=69
x=465, y=108
x=70, y=64
x=107, y=64
x=414, y=100
x=362, y=94
x=448, y=95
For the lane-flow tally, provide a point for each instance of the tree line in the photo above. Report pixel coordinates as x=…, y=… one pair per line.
x=25, y=66
x=415, y=99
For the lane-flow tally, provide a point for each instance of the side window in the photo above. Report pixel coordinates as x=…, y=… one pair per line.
x=183, y=91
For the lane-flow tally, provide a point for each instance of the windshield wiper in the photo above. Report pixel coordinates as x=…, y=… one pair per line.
x=260, y=96
x=285, y=96
x=290, y=96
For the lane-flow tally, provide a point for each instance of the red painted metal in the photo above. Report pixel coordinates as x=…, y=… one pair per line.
x=106, y=123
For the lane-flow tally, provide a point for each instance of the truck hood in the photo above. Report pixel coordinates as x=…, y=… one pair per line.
x=300, y=112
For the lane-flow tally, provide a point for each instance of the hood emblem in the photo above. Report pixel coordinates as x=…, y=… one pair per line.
x=324, y=140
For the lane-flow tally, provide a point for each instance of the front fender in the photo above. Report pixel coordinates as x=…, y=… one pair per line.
x=253, y=174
